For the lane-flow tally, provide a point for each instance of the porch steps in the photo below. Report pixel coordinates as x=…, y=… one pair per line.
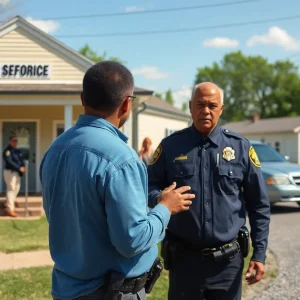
x=35, y=208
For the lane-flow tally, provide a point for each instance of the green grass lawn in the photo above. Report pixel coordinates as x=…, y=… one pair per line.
x=35, y=283
x=23, y=235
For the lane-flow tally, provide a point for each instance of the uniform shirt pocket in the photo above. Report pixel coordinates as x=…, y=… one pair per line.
x=183, y=173
x=230, y=178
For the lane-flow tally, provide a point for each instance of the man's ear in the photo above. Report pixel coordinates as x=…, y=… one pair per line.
x=125, y=107
x=82, y=100
x=190, y=105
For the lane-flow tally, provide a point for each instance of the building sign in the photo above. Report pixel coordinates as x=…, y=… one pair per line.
x=24, y=71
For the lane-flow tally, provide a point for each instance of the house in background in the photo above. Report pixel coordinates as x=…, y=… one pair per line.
x=283, y=134
x=40, y=86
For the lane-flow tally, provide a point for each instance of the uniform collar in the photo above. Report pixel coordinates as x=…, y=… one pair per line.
x=93, y=121
x=213, y=136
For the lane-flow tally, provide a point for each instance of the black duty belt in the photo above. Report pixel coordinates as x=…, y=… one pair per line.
x=222, y=253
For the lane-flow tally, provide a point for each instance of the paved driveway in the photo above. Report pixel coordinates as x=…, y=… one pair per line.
x=284, y=240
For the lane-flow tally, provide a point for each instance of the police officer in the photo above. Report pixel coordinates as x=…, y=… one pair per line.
x=13, y=170
x=202, y=245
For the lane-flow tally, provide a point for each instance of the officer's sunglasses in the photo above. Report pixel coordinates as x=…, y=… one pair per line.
x=14, y=140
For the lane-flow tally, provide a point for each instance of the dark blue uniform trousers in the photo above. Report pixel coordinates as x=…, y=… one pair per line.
x=192, y=278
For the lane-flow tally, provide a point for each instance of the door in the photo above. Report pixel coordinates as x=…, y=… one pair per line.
x=26, y=134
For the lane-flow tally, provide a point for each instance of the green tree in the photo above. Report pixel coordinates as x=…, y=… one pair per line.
x=184, y=106
x=169, y=97
x=158, y=95
x=253, y=85
x=94, y=56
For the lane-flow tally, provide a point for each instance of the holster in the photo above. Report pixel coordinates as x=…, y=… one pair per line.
x=243, y=240
x=153, y=275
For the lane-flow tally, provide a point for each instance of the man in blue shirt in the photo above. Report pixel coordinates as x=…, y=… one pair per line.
x=205, y=243
x=95, y=193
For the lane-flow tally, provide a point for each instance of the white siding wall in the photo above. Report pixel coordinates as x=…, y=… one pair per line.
x=289, y=143
x=155, y=128
x=19, y=47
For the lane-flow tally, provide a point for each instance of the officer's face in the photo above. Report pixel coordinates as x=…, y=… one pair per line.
x=14, y=142
x=206, y=107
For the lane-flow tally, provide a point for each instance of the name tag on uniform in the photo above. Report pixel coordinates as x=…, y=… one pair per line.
x=181, y=158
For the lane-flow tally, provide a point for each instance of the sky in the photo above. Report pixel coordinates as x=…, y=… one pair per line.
x=168, y=60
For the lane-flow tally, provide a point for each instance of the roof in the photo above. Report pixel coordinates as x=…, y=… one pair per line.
x=19, y=22
x=155, y=103
x=272, y=125
x=45, y=88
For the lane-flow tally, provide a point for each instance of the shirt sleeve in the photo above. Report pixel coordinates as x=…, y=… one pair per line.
x=258, y=206
x=132, y=228
x=157, y=177
x=8, y=159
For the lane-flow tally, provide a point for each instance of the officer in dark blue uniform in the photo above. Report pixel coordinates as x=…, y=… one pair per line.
x=13, y=170
x=204, y=246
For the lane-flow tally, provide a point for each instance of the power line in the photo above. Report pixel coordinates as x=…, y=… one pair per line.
x=179, y=30
x=150, y=11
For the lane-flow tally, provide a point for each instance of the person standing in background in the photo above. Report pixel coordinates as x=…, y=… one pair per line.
x=13, y=171
x=146, y=152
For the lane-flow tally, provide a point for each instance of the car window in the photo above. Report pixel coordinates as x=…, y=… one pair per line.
x=266, y=153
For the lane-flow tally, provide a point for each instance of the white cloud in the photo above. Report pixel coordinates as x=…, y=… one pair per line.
x=49, y=26
x=132, y=8
x=220, y=42
x=275, y=36
x=182, y=95
x=150, y=73
x=4, y=2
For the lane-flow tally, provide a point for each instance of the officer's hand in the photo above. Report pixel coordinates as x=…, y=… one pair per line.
x=255, y=272
x=175, y=200
x=22, y=169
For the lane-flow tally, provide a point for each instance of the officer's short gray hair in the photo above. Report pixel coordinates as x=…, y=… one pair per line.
x=220, y=90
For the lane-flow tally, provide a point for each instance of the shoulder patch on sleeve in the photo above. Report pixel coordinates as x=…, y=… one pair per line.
x=7, y=153
x=253, y=157
x=156, y=155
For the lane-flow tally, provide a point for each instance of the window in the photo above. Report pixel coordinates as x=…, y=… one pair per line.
x=266, y=153
x=59, y=130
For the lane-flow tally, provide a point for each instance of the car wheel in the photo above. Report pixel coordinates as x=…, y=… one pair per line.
x=298, y=203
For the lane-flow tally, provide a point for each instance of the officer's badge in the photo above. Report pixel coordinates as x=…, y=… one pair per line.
x=228, y=153
x=156, y=155
x=7, y=153
x=253, y=157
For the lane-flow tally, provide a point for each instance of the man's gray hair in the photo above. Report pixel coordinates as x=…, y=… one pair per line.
x=220, y=90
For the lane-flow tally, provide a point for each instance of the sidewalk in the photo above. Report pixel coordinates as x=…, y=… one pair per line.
x=25, y=260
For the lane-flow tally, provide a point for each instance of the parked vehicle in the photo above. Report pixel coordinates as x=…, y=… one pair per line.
x=281, y=176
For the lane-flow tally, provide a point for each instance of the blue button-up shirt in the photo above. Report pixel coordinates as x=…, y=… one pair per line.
x=95, y=198
x=223, y=172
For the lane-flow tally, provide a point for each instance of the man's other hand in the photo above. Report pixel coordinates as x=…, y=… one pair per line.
x=175, y=199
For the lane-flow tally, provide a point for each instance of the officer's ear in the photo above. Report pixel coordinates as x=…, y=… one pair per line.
x=221, y=110
x=190, y=105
